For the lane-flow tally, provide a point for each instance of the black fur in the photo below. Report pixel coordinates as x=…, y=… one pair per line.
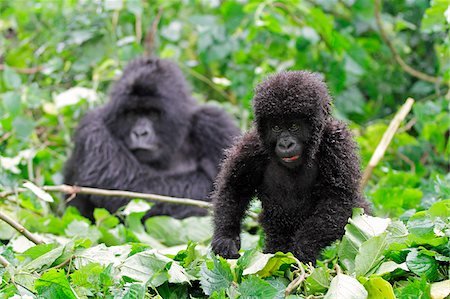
x=306, y=207
x=191, y=140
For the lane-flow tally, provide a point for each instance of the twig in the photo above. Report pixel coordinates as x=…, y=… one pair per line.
x=116, y=193
x=386, y=140
x=73, y=190
x=209, y=83
x=398, y=58
x=151, y=33
x=296, y=282
x=63, y=264
x=408, y=161
x=4, y=262
x=28, y=71
x=17, y=226
x=138, y=27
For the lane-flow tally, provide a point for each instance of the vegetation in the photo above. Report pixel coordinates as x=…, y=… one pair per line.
x=58, y=59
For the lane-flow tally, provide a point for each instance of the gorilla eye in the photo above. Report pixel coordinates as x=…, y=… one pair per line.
x=276, y=129
x=294, y=127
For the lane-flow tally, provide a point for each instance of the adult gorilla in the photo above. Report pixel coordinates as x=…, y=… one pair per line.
x=151, y=137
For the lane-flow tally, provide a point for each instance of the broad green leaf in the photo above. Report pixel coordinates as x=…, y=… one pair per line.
x=45, y=260
x=360, y=228
x=23, y=126
x=422, y=264
x=390, y=266
x=215, y=275
x=378, y=288
x=11, y=78
x=421, y=225
x=135, y=291
x=318, y=281
x=54, y=284
x=345, y=287
x=415, y=288
x=11, y=102
x=87, y=276
x=38, y=192
x=101, y=254
x=440, y=290
x=82, y=230
x=255, y=287
x=370, y=255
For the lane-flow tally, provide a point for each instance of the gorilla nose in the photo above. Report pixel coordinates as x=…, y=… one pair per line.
x=140, y=133
x=286, y=145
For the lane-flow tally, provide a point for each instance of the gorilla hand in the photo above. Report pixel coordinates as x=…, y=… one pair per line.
x=226, y=247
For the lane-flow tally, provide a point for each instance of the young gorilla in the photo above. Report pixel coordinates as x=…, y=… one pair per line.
x=299, y=161
x=151, y=137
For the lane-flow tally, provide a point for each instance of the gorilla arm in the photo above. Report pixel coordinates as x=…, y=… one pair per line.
x=336, y=192
x=213, y=131
x=98, y=160
x=236, y=183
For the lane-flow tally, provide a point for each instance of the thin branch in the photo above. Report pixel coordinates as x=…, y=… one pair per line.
x=296, y=282
x=149, y=41
x=117, y=193
x=17, y=226
x=398, y=58
x=28, y=71
x=73, y=190
x=386, y=140
x=4, y=262
x=209, y=83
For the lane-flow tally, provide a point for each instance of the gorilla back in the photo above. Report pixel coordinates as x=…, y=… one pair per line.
x=151, y=137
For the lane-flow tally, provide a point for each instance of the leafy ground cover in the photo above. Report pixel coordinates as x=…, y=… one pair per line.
x=57, y=60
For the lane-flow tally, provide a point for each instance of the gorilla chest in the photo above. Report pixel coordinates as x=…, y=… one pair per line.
x=193, y=184
x=287, y=194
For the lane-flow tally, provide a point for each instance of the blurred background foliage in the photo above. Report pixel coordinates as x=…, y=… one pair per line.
x=58, y=59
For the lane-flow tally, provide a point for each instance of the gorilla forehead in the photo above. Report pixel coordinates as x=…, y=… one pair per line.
x=152, y=82
x=292, y=93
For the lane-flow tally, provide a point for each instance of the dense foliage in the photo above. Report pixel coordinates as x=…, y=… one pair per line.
x=57, y=59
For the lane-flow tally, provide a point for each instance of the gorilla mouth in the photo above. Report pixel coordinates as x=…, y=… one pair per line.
x=291, y=159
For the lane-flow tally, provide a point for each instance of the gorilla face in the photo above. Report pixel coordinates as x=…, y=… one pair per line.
x=142, y=138
x=287, y=140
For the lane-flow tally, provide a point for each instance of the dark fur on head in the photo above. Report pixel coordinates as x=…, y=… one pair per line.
x=184, y=161
x=294, y=94
x=306, y=206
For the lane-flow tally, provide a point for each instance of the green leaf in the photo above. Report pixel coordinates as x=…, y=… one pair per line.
x=359, y=229
x=414, y=289
x=421, y=225
x=370, y=255
x=318, y=281
x=135, y=291
x=45, y=260
x=102, y=255
x=255, y=287
x=440, y=290
x=390, y=266
x=345, y=287
x=12, y=103
x=422, y=264
x=54, y=284
x=23, y=126
x=87, y=277
x=378, y=288
x=38, y=192
x=215, y=275
x=11, y=78
x=82, y=230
